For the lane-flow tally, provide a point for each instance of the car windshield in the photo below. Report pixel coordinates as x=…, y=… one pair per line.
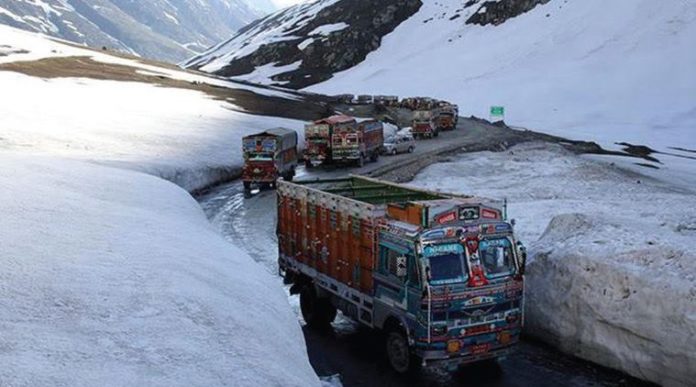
x=497, y=257
x=446, y=263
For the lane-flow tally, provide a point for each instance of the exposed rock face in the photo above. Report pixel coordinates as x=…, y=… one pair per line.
x=362, y=25
x=170, y=30
x=497, y=12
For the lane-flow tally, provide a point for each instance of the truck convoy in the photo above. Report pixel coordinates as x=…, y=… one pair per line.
x=318, y=135
x=354, y=144
x=269, y=155
x=423, y=125
x=440, y=274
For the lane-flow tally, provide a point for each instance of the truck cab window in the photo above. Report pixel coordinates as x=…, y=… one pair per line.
x=446, y=263
x=497, y=257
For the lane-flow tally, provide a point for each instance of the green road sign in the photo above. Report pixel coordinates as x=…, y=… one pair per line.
x=497, y=110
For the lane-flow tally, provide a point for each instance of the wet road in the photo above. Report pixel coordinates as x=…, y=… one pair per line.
x=356, y=353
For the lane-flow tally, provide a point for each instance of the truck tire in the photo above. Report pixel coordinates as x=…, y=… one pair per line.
x=247, y=185
x=399, y=353
x=361, y=161
x=308, y=164
x=317, y=312
x=410, y=149
x=393, y=152
x=374, y=157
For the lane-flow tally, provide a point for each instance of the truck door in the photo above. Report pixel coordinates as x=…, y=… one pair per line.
x=396, y=288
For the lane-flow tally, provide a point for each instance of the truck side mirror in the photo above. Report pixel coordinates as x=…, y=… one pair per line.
x=522, y=254
x=401, y=267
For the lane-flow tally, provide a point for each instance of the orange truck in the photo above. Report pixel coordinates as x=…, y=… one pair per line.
x=441, y=275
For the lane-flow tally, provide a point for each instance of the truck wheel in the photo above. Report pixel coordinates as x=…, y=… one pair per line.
x=361, y=161
x=410, y=149
x=374, y=157
x=393, y=152
x=308, y=164
x=317, y=312
x=399, y=353
x=436, y=133
x=247, y=185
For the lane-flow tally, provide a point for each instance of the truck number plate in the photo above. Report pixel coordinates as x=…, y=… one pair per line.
x=480, y=349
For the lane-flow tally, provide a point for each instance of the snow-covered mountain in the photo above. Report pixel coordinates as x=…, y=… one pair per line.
x=307, y=43
x=170, y=30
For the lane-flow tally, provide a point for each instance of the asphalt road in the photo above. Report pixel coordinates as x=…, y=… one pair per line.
x=356, y=353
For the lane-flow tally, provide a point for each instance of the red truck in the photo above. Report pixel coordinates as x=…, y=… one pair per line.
x=441, y=275
x=351, y=144
x=268, y=156
x=318, y=135
x=424, y=125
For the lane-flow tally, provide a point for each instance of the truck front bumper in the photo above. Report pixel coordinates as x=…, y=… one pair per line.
x=452, y=361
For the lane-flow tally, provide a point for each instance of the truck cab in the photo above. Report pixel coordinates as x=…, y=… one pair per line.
x=454, y=290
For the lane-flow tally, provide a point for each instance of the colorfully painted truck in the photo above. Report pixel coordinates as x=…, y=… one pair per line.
x=441, y=275
x=268, y=156
x=318, y=135
x=424, y=125
x=355, y=144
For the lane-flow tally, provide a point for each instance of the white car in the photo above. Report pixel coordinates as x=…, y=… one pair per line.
x=400, y=145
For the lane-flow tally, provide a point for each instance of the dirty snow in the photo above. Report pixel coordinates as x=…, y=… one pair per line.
x=612, y=273
x=26, y=46
x=112, y=276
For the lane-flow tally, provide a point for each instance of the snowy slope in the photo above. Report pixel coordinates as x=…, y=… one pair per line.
x=306, y=43
x=182, y=137
x=612, y=272
x=112, y=276
x=169, y=30
x=595, y=70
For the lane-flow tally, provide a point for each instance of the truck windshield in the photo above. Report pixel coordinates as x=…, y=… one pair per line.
x=260, y=156
x=446, y=263
x=497, y=257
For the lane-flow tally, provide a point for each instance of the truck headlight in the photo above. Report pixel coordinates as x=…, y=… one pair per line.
x=454, y=346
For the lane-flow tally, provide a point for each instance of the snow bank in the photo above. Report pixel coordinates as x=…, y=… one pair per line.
x=112, y=277
x=115, y=277
x=612, y=272
x=178, y=134
x=594, y=70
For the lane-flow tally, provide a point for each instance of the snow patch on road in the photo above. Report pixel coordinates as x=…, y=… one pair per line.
x=612, y=272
